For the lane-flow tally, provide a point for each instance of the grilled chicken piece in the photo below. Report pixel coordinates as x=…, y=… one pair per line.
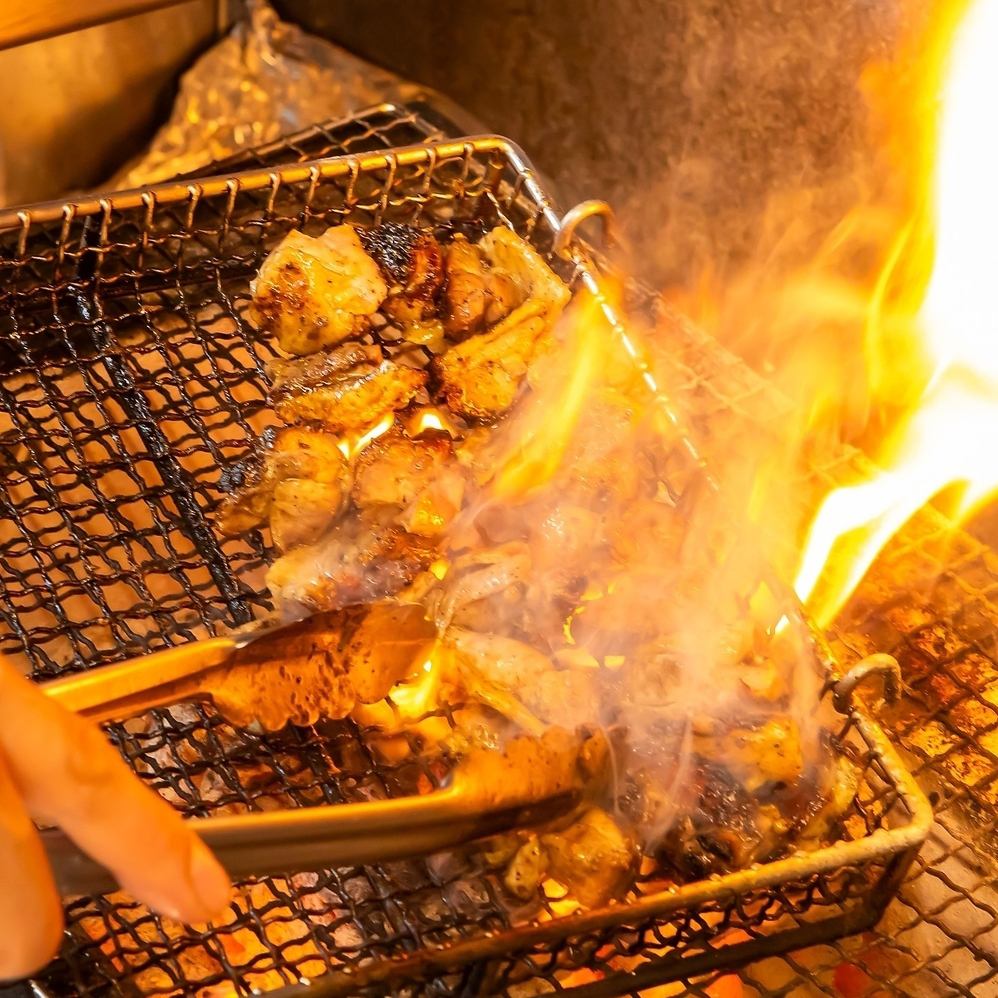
x=480, y=378
x=296, y=476
x=768, y=752
x=475, y=293
x=344, y=390
x=466, y=295
x=699, y=820
x=419, y=478
x=367, y=557
x=506, y=251
x=521, y=682
x=303, y=511
x=247, y=487
x=315, y=293
x=477, y=578
x=593, y=858
x=394, y=469
x=413, y=262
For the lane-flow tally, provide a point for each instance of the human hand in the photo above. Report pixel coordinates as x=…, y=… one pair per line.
x=59, y=769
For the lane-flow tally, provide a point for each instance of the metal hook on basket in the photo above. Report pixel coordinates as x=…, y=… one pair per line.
x=880, y=666
x=582, y=212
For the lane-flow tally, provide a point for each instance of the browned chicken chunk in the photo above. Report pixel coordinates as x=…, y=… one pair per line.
x=593, y=858
x=368, y=556
x=510, y=253
x=412, y=261
x=315, y=293
x=295, y=476
x=475, y=292
x=345, y=389
x=480, y=378
x=394, y=469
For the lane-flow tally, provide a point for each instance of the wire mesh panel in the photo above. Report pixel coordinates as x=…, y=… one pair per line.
x=385, y=126
x=129, y=376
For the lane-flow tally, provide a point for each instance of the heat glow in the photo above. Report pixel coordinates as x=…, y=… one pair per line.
x=947, y=441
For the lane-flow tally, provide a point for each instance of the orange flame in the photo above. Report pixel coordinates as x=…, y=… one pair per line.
x=428, y=418
x=351, y=446
x=547, y=433
x=947, y=441
x=417, y=697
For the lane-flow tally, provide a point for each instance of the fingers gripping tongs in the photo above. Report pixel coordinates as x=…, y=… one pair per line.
x=475, y=802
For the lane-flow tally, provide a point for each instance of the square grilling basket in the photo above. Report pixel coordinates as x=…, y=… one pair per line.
x=128, y=377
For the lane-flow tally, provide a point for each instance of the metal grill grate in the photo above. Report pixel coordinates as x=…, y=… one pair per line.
x=128, y=376
x=930, y=601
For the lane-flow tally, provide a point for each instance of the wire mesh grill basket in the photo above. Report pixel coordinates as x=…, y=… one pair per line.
x=128, y=377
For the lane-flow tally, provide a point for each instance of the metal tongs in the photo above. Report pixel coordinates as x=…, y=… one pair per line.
x=297, y=839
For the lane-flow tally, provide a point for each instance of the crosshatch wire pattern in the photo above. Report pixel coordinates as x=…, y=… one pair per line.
x=129, y=377
x=929, y=600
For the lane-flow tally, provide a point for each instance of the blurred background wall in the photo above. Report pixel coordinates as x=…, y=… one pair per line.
x=711, y=126
x=77, y=105
x=686, y=114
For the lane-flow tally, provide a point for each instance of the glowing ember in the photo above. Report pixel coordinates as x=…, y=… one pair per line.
x=949, y=440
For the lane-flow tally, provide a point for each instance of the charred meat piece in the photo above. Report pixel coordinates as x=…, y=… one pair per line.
x=419, y=478
x=507, y=252
x=315, y=293
x=475, y=293
x=367, y=557
x=295, y=476
x=593, y=858
x=413, y=263
x=722, y=829
x=345, y=389
x=480, y=378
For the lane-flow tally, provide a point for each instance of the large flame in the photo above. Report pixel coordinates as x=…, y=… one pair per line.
x=948, y=439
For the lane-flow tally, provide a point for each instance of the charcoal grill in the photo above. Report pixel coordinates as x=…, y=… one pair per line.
x=129, y=376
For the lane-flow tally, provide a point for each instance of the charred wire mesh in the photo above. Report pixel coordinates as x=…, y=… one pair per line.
x=128, y=376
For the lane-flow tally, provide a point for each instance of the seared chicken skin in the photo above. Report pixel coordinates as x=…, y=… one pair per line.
x=413, y=263
x=480, y=378
x=476, y=293
x=366, y=557
x=506, y=251
x=295, y=476
x=315, y=293
x=343, y=390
